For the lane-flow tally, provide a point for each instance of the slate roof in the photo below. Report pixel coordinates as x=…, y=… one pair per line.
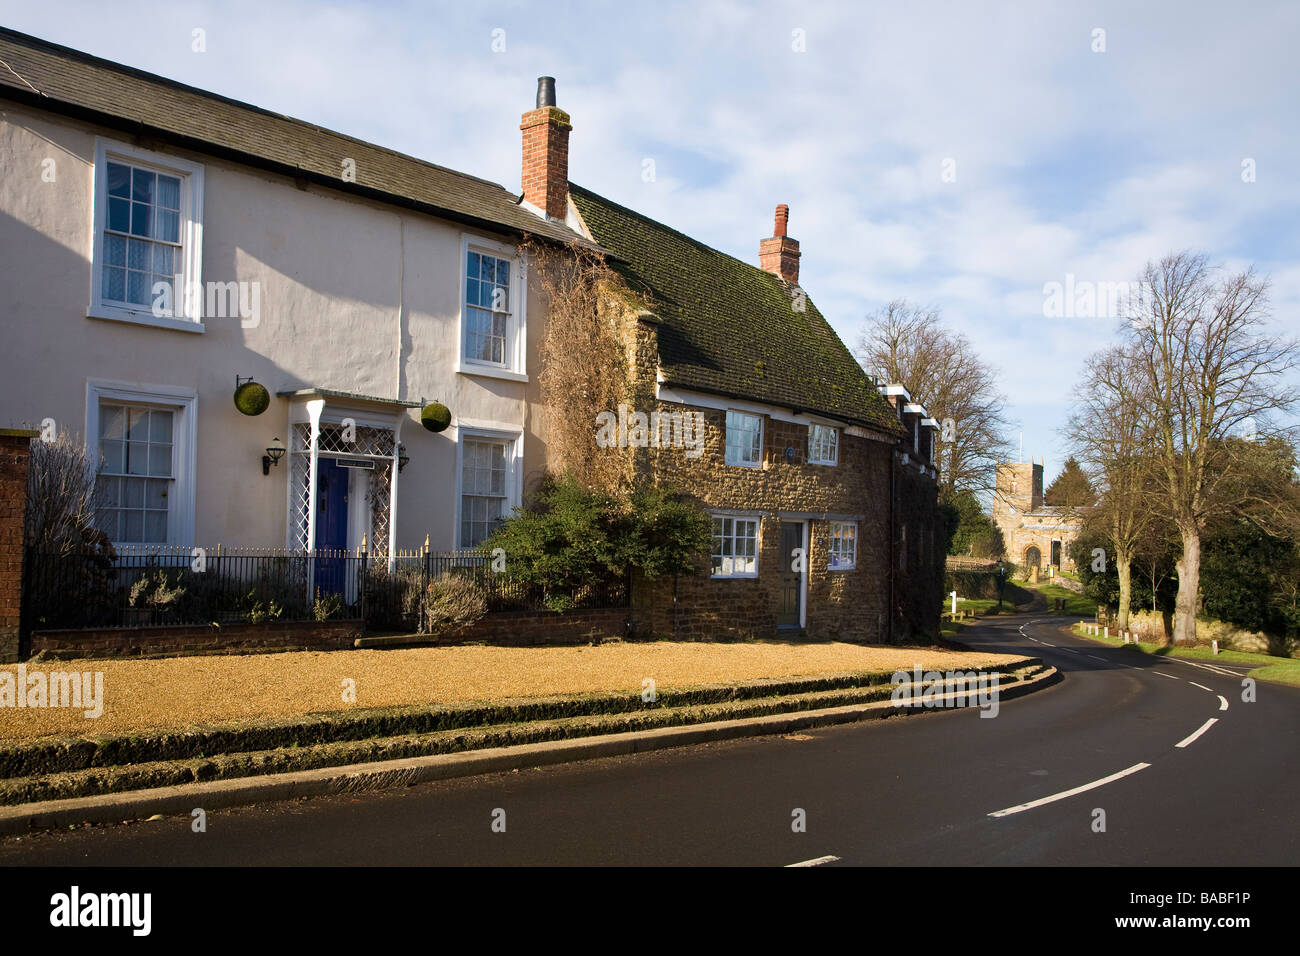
x=730, y=328
x=139, y=103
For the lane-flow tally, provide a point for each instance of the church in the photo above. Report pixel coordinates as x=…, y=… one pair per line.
x=1037, y=535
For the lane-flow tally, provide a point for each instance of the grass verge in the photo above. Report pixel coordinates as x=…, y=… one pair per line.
x=1281, y=670
x=1075, y=604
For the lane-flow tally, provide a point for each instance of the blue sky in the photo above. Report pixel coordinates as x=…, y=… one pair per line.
x=1067, y=160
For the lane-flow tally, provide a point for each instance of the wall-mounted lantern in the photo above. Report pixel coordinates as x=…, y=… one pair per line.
x=274, y=451
x=402, y=457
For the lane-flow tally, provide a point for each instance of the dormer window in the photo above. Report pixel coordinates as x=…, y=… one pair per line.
x=823, y=445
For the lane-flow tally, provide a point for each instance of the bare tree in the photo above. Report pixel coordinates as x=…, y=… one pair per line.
x=1211, y=369
x=908, y=345
x=1109, y=432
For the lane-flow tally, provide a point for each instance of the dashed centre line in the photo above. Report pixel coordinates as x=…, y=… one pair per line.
x=814, y=862
x=1187, y=741
x=1069, y=793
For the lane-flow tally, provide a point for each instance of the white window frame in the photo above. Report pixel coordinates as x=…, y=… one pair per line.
x=758, y=532
x=831, y=538
x=515, y=367
x=191, y=176
x=514, y=439
x=726, y=442
x=184, y=402
x=834, y=459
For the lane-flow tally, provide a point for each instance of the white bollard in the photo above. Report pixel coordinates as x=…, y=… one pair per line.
x=1215, y=645
x=954, y=602
x=1107, y=631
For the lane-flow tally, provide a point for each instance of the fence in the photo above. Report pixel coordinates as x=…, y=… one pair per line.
x=134, y=587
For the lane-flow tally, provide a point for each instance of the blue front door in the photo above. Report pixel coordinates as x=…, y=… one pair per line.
x=331, y=526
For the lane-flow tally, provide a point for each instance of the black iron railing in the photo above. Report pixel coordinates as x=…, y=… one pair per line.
x=134, y=587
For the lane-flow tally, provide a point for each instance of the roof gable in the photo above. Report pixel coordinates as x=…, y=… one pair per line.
x=730, y=328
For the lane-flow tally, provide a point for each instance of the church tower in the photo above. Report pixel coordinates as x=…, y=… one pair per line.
x=1019, y=488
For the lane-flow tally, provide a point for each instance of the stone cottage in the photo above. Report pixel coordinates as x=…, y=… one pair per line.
x=819, y=483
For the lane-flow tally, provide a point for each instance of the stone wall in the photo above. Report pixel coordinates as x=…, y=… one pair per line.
x=15, y=452
x=846, y=605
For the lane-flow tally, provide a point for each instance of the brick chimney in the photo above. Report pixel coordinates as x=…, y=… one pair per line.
x=546, y=153
x=779, y=255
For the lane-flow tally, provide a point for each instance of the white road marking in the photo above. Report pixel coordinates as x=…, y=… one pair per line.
x=1162, y=674
x=1045, y=644
x=1186, y=741
x=817, y=862
x=1206, y=667
x=1068, y=651
x=1201, y=686
x=1223, y=702
x=1096, y=658
x=1069, y=793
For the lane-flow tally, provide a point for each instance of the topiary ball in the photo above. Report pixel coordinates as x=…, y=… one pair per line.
x=435, y=416
x=252, y=398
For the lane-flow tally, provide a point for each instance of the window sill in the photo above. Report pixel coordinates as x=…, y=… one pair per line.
x=113, y=314
x=488, y=371
x=744, y=464
x=734, y=577
x=827, y=464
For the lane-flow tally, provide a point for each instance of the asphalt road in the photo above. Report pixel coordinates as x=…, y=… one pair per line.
x=916, y=790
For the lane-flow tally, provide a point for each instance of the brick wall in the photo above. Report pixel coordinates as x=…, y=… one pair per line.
x=15, y=451
x=528, y=628
x=170, y=641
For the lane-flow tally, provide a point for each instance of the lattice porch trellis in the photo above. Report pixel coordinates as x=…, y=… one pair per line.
x=374, y=443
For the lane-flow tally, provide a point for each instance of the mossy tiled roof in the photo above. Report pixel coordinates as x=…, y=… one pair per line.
x=730, y=328
x=56, y=78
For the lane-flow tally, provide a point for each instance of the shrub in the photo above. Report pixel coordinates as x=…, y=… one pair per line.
x=452, y=603
x=329, y=607
x=156, y=591
x=393, y=598
x=572, y=538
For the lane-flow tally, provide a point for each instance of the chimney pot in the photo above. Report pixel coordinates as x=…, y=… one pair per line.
x=545, y=91
x=782, y=220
